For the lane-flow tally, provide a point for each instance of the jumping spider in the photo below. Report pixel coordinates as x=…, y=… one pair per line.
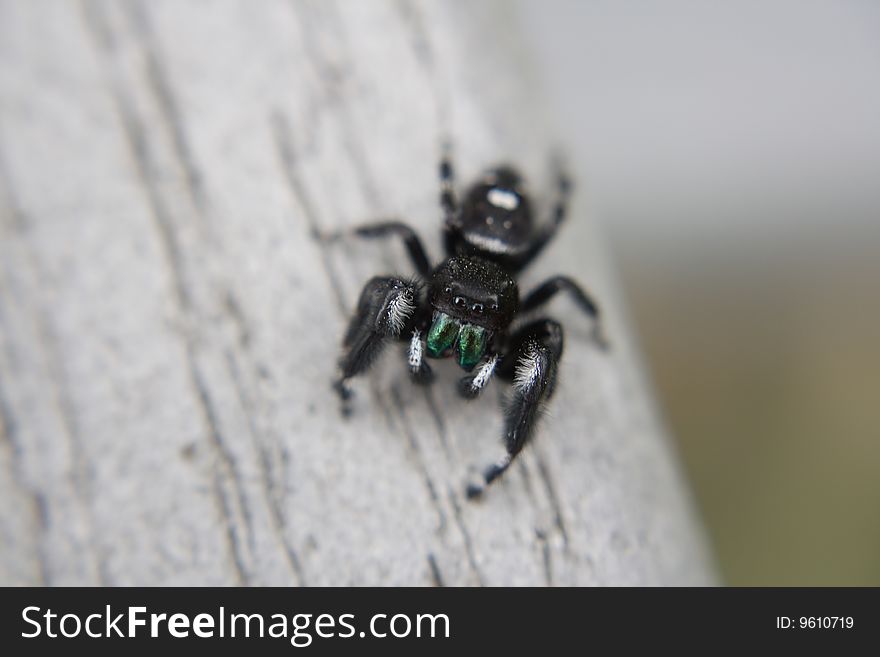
x=472, y=303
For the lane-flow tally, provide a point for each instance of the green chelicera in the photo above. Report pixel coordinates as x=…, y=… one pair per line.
x=447, y=332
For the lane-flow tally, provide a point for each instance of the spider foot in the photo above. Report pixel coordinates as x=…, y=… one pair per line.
x=345, y=397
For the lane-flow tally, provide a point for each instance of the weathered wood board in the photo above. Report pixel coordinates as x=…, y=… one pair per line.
x=169, y=327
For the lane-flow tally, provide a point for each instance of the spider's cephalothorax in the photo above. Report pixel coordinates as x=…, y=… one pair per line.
x=471, y=301
x=470, y=307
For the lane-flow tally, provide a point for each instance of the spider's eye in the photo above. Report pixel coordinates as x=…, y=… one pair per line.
x=460, y=302
x=494, y=306
x=447, y=290
x=477, y=308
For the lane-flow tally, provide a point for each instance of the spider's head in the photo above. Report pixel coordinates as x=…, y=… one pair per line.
x=472, y=299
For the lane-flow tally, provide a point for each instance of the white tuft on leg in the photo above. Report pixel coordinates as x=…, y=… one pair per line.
x=528, y=370
x=399, y=310
x=484, y=374
x=416, y=349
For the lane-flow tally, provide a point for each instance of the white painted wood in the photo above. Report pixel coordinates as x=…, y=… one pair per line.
x=169, y=327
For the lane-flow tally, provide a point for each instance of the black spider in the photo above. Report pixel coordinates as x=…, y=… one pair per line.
x=472, y=303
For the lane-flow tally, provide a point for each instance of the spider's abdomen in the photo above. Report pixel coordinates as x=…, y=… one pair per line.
x=496, y=217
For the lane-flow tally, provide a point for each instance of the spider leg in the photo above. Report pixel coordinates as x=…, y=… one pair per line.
x=547, y=290
x=548, y=231
x=472, y=385
x=385, y=309
x=531, y=364
x=447, y=192
x=419, y=369
x=411, y=241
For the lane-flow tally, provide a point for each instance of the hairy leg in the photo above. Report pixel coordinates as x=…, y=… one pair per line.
x=384, y=229
x=531, y=364
x=472, y=385
x=548, y=231
x=419, y=369
x=448, y=202
x=552, y=286
x=385, y=309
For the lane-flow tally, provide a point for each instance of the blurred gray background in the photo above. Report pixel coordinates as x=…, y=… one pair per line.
x=733, y=152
